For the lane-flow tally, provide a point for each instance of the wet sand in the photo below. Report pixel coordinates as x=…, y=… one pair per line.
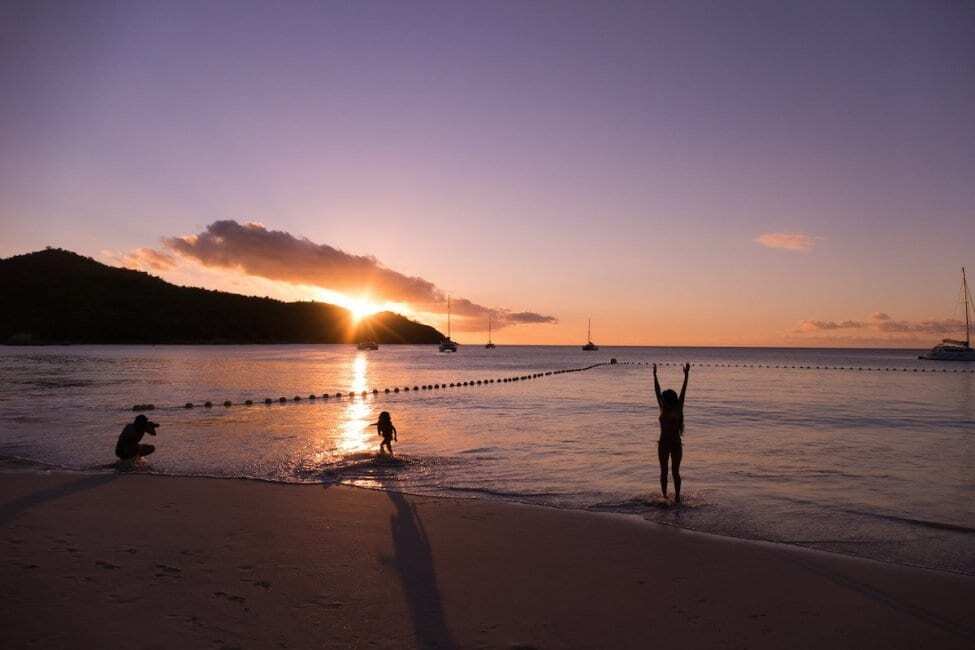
x=98, y=561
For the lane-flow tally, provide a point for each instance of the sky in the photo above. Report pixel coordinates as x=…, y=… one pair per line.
x=684, y=173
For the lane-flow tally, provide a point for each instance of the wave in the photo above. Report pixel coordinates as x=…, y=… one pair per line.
x=922, y=523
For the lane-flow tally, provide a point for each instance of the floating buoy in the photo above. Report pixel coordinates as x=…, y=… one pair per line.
x=406, y=387
x=364, y=393
x=312, y=396
x=338, y=395
x=282, y=399
x=297, y=398
x=268, y=400
x=351, y=394
x=228, y=403
x=396, y=390
x=375, y=391
x=188, y=405
x=324, y=395
x=415, y=388
x=387, y=390
x=208, y=404
x=248, y=402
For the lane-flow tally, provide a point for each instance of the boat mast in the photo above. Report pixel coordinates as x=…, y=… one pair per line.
x=489, y=328
x=968, y=326
x=448, y=318
x=589, y=331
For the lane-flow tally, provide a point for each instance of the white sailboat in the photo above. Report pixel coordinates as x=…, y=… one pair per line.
x=447, y=345
x=590, y=346
x=950, y=349
x=490, y=345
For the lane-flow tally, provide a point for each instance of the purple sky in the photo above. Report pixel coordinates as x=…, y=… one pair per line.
x=559, y=158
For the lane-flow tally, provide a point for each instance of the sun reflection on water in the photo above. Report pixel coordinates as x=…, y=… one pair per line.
x=356, y=418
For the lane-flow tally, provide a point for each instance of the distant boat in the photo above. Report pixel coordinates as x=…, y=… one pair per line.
x=367, y=345
x=950, y=349
x=590, y=346
x=447, y=345
x=490, y=345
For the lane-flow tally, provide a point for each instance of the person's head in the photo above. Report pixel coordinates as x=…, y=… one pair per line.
x=384, y=417
x=670, y=400
x=143, y=424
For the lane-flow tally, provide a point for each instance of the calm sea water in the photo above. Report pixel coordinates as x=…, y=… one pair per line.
x=876, y=463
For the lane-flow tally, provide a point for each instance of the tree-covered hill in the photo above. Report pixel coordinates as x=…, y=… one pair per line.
x=56, y=296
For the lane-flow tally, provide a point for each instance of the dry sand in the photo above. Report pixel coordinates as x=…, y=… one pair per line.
x=138, y=561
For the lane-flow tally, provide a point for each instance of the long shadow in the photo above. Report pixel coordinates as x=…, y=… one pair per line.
x=413, y=560
x=11, y=509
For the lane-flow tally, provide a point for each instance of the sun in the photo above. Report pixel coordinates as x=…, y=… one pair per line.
x=361, y=307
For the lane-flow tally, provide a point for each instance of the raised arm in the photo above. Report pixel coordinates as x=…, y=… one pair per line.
x=683, y=389
x=656, y=386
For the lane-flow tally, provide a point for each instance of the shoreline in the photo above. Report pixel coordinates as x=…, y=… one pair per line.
x=28, y=466
x=203, y=561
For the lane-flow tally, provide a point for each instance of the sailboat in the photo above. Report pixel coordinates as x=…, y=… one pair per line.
x=448, y=345
x=490, y=345
x=950, y=349
x=590, y=346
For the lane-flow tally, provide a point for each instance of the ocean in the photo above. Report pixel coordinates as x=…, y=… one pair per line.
x=862, y=452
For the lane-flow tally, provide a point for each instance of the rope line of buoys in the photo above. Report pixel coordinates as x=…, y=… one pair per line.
x=375, y=392
x=805, y=367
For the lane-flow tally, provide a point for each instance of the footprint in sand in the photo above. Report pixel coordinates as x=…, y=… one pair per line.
x=230, y=597
x=168, y=570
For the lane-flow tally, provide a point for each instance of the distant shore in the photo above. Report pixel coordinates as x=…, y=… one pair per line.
x=105, y=560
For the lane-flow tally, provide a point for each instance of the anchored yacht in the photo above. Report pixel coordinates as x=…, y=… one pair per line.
x=447, y=345
x=950, y=349
x=590, y=346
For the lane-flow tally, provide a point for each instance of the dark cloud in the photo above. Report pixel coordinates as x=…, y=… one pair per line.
x=947, y=326
x=824, y=325
x=530, y=317
x=277, y=255
x=884, y=324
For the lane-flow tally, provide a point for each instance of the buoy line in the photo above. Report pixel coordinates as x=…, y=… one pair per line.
x=375, y=392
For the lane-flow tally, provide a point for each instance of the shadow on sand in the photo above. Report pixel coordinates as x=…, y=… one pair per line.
x=413, y=560
x=11, y=509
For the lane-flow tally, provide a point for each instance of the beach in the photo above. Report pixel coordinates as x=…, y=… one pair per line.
x=144, y=561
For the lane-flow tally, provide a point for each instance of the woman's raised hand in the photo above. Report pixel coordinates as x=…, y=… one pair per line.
x=654, y=368
x=687, y=368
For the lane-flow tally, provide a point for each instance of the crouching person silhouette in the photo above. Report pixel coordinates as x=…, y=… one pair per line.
x=129, y=445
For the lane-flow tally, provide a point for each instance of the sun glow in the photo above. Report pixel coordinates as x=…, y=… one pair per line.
x=359, y=306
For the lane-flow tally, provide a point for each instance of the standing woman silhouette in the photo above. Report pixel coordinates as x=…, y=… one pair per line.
x=671, y=429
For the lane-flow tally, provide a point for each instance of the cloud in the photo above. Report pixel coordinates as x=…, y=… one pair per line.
x=278, y=255
x=946, y=326
x=827, y=325
x=254, y=250
x=530, y=317
x=790, y=241
x=882, y=323
x=143, y=258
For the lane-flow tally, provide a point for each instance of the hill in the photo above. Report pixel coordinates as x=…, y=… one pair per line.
x=56, y=296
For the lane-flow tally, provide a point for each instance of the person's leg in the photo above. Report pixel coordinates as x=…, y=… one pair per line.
x=145, y=450
x=676, y=453
x=662, y=456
